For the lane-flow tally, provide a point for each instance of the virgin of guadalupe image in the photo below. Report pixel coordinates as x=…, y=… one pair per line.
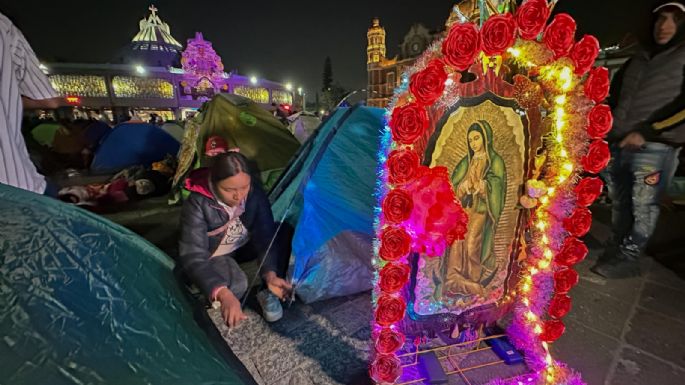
x=480, y=182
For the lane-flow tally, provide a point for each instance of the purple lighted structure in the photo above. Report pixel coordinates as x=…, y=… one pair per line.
x=203, y=71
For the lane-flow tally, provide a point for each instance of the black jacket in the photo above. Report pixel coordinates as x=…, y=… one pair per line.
x=202, y=214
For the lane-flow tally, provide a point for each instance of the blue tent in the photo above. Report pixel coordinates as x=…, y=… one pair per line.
x=85, y=301
x=327, y=195
x=131, y=144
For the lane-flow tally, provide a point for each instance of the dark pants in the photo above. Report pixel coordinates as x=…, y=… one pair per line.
x=227, y=266
x=636, y=182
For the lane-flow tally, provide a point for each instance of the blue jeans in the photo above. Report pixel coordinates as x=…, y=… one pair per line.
x=636, y=182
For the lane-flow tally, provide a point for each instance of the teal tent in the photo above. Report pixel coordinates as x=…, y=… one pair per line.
x=85, y=301
x=327, y=196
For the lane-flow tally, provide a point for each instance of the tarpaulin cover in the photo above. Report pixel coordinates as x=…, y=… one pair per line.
x=131, y=144
x=243, y=124
x=333, y=211
x=85, y=301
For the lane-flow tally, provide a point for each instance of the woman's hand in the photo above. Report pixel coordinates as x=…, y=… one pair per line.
x=230, y=308
x=278, y=286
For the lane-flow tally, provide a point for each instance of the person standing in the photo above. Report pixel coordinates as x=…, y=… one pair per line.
x=21, y=83
x=648, y=103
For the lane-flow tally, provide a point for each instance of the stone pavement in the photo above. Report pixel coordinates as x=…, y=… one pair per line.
x=619, y=332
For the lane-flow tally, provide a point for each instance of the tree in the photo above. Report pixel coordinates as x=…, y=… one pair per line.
x=327, y=74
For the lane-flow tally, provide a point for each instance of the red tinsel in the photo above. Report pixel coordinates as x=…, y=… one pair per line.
x=564, y=280
x=572, y=251
x=552, y=330
x=559, y=306
x=578, y=224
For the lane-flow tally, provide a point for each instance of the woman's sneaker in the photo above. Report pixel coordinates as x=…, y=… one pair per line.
x=271, y=306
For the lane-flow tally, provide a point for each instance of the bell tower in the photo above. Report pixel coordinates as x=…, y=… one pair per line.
x=375, y=49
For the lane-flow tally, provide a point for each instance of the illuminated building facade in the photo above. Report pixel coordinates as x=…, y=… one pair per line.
x=154, y=74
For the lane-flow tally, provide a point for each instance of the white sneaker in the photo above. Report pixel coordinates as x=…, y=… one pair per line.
x=271, y=306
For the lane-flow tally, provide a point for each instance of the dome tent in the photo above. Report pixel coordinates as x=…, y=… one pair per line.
x=87, y=301
x=327, y=196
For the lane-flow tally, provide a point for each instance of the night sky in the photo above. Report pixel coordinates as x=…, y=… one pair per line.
x=280, y=40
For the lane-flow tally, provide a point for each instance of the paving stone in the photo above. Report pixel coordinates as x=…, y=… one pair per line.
x=636, y=368
x=664, y=276
x=599, y=311
x=626, y=290
x=586, y=351
x=296, y=377
x=348, y=318
x=664, y=300
x=293, y=318
x=659, y=335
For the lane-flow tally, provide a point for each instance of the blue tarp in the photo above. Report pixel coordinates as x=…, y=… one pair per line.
x=131, y=144
x=328, y=192
x=85, y=301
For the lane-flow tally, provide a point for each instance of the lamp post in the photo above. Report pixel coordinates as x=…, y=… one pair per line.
x=301, y=92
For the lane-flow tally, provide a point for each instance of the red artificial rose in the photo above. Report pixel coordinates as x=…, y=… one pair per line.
x=597, y=84
x=389, y=341
x=564, y=280
x=498, y=34
x=600, y=121
x=395, y=244
x=389, y=310
x=428, y=84
x=560, y=34
x=552, y=330
x=386, y=368
x=397, y=206
x=584, y=53
x=588, y=190
x=559, y=306
x=408, y=123
x=572, y=251
x=597, y=157
x=402, y=166
x=393, y=277
x=461, y=46
x=531, y=18
x=578, y=224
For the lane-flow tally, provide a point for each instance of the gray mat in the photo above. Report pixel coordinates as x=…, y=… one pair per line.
x=325, y=342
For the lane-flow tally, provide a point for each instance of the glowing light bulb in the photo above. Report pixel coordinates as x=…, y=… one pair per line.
x=544, y=200
x=543, y=265
x=533, y=271
x=550, y=191
x=525, y=288
x=548, y=254
x=561, y=99
x=537, y=329
x=531, y=316
x=564, y=154
x=449, y=82
x=548, y=359
x=541, y=225
x=545, y=240
x=560, y=138
x=515, y=52
x=568, y=167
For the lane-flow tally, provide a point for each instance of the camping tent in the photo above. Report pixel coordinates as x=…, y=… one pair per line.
x=85, y=301
x=243, y=124
x=44, y=133
x=131, y=144
x=303, y=124
x=327, y=196
x=174, y=129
